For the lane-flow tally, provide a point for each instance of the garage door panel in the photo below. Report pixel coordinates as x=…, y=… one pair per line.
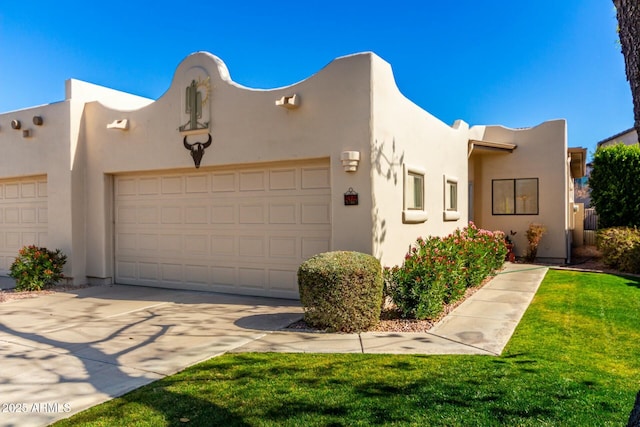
x=223, y=182
x=171, y=272
x=223, y=214
x=28, y=216
x=12, y=191
x=172, y=185
x=315, y=178
x=251, y=214
x=197, y=274
x=243, y=231
x=314, y=245
x=283, y=179
x=251, y=277
x=12, y=216
x=196, y=245
x=148, y=271
x=43, y=216
x=28, y=190
x=223, y=245
x=284, y=247
x=252, y=181
x=283, y=213
x=284, y=280
x=223, y=275
x=23, y=217
x=251, y=246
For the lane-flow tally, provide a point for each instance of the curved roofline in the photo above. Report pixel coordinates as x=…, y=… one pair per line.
x=523, y=128
x=225, y=75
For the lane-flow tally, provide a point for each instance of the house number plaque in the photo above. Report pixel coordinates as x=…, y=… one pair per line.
x=350, y=197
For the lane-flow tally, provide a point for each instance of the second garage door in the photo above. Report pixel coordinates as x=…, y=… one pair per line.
x=235, y=230
x=23, y=217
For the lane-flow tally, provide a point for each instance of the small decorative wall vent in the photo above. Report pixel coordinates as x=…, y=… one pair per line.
x=289, y=102
x=15, y=124
x=37, y=120
x=122, y=124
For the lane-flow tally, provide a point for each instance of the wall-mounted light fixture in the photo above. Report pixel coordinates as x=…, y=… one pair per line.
x=37, y=120
x=122, y=124
x=15, y=124
x=350, y=160
x=289, y=102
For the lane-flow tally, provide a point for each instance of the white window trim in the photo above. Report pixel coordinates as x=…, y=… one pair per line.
x=449, y=215
x=413, y=216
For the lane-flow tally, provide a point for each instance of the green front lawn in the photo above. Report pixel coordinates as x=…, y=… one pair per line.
x=573, y=361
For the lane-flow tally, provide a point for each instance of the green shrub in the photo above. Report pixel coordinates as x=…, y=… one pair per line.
x=37, y=268
x=483, y=252
x=615, y=185
x=620, y=247
x=341, y=291
x=438, y=270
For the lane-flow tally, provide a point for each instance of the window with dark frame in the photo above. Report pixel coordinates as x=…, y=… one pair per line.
x=514, y=196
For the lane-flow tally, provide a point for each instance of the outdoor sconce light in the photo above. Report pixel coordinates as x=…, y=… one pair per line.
x=37, y=120
x=289, y=102
x=350, y=160
x=15, y=124
x=122, y=124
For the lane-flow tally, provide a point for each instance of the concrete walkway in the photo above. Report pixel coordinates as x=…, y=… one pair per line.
x=65, y=352
x=483, y=324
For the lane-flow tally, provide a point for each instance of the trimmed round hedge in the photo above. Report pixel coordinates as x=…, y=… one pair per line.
x=341, y=291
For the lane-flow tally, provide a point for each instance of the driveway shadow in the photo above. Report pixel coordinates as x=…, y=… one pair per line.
x=268, y=322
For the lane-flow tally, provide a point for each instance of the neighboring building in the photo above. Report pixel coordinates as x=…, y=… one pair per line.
x=582, y=191
x=215, y=186
x=627, y=137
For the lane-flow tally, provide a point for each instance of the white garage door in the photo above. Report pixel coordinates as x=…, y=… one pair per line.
x=241, y=230
x=23, y=217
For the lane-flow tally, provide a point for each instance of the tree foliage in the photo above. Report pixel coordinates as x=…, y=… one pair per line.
x=615, y=185
x=628, y=14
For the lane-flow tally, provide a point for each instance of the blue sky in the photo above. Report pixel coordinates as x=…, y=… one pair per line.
x=515, y=63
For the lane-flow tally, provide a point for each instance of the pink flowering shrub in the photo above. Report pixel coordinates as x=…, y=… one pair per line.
x=438, y=270
x=36, y=268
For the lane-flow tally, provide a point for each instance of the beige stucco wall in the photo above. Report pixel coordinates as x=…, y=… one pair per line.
x=55, y=149
x=45, y=152
x=353, y=104
x=405, y=134
x=247, y=127
x=541, y=153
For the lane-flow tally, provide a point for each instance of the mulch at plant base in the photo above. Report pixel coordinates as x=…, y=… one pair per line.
x=392, y=321
x=12, y=294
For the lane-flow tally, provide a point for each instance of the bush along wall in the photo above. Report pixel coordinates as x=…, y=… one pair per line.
x=36, y=268
x=341, y=291
x=438, y=270
x=620, y=247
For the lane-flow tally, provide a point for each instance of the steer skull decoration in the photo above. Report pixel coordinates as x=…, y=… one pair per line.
x=197, y=149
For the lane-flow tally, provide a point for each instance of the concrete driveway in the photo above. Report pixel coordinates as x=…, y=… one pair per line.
x=65, y=352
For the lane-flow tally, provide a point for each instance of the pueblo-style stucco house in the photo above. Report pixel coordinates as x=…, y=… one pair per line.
x=216, y=186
